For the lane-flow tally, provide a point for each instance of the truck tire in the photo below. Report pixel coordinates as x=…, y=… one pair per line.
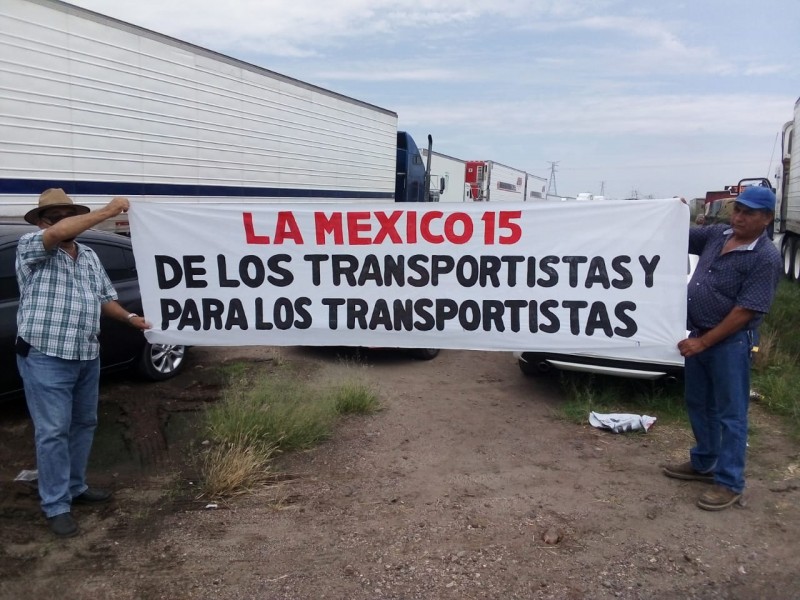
x=787, y=253
x=795, y=260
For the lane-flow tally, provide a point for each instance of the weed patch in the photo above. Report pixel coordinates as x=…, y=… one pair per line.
x=262, y=414
x=354, y=397
x=776, y=373
x=230, y=468
x=591, y=392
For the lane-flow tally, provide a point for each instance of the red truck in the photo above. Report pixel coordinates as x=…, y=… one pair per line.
x=717, y=205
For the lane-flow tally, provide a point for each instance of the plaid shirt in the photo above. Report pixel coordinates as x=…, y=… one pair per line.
x=747, y=277
x=60, y=298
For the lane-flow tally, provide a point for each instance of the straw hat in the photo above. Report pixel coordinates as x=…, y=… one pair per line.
x=53, y=198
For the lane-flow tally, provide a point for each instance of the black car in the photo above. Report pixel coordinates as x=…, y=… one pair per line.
x=121, y=346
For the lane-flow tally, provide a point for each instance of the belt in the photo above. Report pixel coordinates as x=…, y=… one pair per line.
x=696, y=333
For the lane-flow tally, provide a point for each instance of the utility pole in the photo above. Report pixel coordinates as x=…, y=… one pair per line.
x=602, y=188
x=551, y=183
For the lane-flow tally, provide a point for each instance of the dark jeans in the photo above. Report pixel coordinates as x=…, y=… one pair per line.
x=717, y=399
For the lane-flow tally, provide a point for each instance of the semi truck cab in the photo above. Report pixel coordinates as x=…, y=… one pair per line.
x=410, y=174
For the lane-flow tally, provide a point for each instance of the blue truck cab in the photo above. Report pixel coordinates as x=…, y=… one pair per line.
x=410, y=185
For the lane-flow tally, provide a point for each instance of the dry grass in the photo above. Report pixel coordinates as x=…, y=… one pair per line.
x=264, y=413
x=230, y=469
x=767, y=346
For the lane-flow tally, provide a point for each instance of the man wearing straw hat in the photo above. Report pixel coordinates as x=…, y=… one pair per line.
x=63, y=291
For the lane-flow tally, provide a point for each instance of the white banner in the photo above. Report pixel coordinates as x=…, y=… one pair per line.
x=570, y=277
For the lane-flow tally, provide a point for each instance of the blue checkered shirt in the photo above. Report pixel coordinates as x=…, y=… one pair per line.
x=746, y=277
x=60, y=298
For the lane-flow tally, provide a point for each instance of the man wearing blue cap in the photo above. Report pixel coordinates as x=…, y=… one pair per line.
x=730, y=292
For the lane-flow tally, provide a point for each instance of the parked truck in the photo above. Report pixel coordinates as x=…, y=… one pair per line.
x=718, y=204
x=787, y=213
x=491, y=181
x=447, y=183
x=535, y=188
x=103, y=108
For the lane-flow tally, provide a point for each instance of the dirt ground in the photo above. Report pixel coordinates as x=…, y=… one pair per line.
x=466, y=485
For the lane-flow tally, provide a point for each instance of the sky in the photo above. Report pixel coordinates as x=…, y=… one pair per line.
x=624, y=98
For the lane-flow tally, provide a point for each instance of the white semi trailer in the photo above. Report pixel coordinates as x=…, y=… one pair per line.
x=535, y=188
x=447, y=177
x=787, y=214
x=490, y=181
x=104, y=108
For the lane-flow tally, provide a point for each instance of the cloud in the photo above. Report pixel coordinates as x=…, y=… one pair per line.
x=657, y=115
x=629, y=43
x=762, y=70
x=303, y=27
x=307, y=27
x=521, y=81
x=386, y=73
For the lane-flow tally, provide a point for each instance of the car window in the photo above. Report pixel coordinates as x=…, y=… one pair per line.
x=117, y=261
x=8, y=276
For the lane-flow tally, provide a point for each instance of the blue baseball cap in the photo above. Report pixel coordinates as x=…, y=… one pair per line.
x=758, y=198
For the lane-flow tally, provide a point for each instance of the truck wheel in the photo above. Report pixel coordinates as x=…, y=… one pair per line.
x=787, y=253
x=795, y=260
x=159, y=362
x=424, y=353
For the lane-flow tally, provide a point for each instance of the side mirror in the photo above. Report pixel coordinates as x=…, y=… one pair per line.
x=441, y=185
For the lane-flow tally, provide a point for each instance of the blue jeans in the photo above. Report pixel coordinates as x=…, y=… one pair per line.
x=717, y=399
x=62, y=401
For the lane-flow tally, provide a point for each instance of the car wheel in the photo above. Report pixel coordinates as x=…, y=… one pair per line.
x=532, y=369
x=424, y=353
x=161, y=361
